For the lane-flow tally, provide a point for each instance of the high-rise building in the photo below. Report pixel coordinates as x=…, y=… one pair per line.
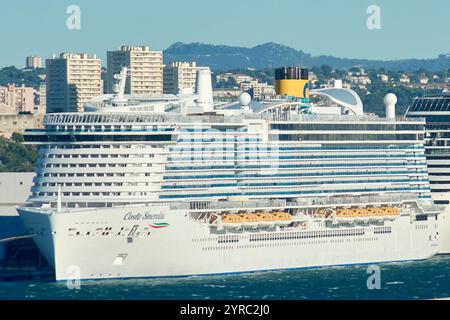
x=104, y=77
x=179, y=76
x=72, y=80
x=17, y=99
x=33, y=62
x=145, y=69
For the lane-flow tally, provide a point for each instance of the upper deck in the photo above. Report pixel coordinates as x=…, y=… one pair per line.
x=184, y=148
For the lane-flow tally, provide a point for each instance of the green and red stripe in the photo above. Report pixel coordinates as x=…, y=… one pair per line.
x=159, y=225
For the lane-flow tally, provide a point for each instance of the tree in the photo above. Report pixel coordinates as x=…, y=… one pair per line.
x=326, y=70
x=16, y=156
x=17, y=137
x=12, y=75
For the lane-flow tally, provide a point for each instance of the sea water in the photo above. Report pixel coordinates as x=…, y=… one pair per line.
x=406, y=280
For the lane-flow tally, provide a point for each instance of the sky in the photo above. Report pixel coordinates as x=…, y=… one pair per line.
x=409, y=28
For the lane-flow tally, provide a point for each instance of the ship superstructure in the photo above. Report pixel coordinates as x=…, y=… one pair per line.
x=173, y=185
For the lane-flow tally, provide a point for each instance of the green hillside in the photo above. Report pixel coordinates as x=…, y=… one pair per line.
x=16, y=156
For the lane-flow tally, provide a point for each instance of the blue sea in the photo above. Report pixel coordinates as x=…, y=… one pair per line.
x=407, y=280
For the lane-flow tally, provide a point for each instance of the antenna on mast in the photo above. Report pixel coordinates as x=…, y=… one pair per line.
x=119, y=86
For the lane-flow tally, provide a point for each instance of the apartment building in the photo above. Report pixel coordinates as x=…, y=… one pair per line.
x=72, y=80
x=145, y=69
x=179, y=77
x=33, y=62
x=17, y=99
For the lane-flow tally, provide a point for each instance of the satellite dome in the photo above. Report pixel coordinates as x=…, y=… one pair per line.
x=390, y=99
x=245, y=99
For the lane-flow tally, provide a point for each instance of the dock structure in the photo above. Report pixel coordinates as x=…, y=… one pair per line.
x=15, y=187
x=20, y=258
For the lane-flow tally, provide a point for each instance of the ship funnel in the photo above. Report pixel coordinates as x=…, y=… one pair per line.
x=292, y=82
x=203, y=88
x=390, y=100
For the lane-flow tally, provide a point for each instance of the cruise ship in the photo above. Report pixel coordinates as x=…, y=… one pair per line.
x=176, y=185
x=436, y=110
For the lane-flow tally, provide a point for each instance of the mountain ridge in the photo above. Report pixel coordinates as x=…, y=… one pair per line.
x=271, y=54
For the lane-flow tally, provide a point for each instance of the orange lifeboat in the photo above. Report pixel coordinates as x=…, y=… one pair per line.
x=231, y=221
x=379, y=211
x=340, y=213
x=394, y=211
x=231, y=218
x=282, y=218
x=250, y=219
x=281, y=215
x=265, y=218
x=349, y=215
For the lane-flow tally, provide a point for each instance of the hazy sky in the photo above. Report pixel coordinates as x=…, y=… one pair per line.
x=409, y=28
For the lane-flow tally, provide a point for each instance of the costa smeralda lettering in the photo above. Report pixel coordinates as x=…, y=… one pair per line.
x=143, y=216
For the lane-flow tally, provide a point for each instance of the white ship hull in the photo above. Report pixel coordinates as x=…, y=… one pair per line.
x=444, y=231
x=101, y=244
